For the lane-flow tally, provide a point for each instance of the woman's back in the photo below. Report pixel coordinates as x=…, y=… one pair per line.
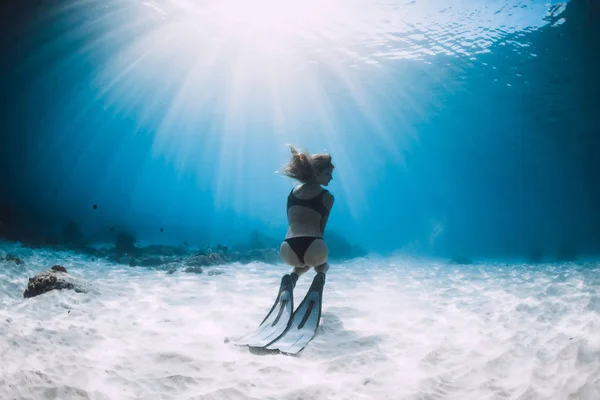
x=307, y=205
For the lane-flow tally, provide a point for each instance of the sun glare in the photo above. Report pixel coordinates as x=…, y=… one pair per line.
x=269, y=14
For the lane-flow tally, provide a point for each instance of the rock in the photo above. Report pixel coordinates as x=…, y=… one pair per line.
x=193, y=270
x=54, y=279
x=213, y=272
x=59, y=268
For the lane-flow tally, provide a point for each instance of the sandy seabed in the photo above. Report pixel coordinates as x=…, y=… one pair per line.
x=394, y=328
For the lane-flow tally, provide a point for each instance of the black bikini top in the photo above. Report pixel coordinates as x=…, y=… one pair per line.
x=314, y=203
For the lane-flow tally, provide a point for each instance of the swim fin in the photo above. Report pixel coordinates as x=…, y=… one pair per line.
x=278, y=318
x=305, y=320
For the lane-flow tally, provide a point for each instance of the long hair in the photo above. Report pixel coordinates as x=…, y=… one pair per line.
x=304, y=167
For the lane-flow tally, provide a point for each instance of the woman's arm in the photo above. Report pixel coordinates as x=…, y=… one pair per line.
x=328, y=202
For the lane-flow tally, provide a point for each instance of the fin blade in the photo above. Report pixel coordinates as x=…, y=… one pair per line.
x=305, y=321
x=276, y=321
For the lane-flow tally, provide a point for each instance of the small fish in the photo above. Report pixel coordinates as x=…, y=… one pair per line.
x=161, y=229
x=94, y=206
x=112, y=229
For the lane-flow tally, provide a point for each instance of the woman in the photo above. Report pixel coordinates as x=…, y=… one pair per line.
x=308, y=208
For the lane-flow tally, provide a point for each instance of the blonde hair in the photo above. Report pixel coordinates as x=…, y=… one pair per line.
x=305, y=167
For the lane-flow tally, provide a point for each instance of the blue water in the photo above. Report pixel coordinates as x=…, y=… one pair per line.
x=470, y=122
x=457, y=129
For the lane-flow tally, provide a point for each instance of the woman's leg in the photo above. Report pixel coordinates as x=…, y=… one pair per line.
x=301, y=270
x=289, y=256
x=322, y=268
x=316, y=255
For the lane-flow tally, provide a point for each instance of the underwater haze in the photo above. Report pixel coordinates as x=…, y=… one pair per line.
x=142, y=205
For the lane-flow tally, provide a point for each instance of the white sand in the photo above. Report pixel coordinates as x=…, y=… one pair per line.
x=391, y=329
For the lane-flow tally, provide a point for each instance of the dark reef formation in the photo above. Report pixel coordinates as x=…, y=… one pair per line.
x=57, y=278
x=171, y=259
x=126, y=250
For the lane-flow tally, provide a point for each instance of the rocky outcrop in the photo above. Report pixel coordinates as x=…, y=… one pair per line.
x=173, y=259
x=59, y=268
x=57, y=278
x=193, y=270
x=207, y=257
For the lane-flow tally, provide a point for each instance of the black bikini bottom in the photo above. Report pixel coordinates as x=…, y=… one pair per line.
x=300, y=244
